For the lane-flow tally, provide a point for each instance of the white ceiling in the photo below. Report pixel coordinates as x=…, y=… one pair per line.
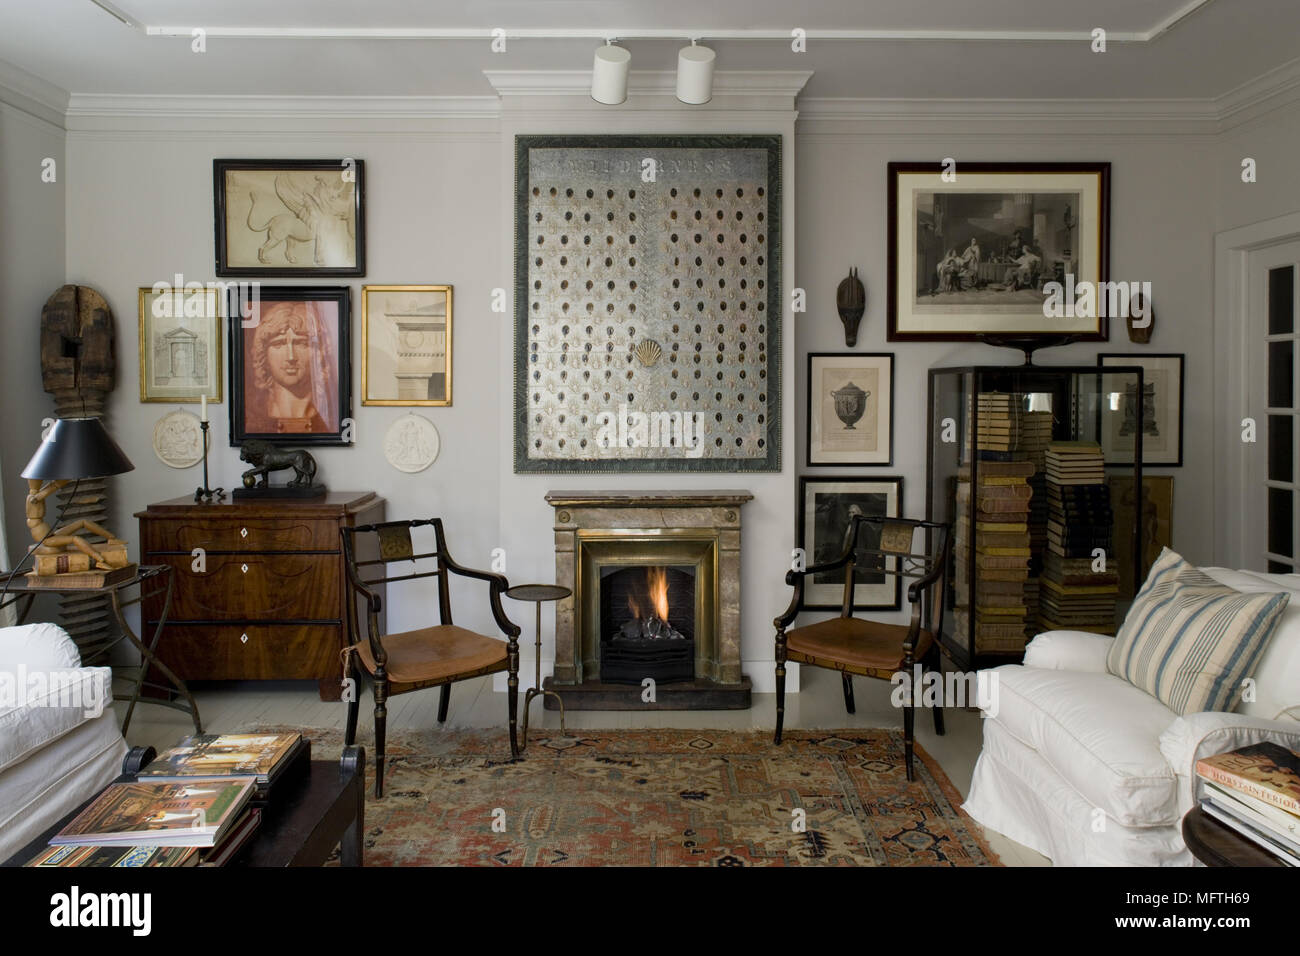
x=1216, y=47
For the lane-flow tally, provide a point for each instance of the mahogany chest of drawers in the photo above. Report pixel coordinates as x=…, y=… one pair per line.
x=259, y=585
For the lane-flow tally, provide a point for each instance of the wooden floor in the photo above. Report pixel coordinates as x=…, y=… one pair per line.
x=234, y=706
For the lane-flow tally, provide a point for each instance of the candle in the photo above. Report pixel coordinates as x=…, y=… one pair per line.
x=204, y=399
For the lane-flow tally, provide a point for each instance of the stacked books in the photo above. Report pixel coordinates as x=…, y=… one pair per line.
x=997, y=512
x=1255, y=790
x=1077, y=588
x=194, y=805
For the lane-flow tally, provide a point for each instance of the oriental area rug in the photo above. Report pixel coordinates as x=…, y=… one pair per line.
x=661, y=798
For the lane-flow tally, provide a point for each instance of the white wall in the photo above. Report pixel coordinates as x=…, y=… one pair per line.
x=31, y=270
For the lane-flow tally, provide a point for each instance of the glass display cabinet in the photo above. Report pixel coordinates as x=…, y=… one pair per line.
x=1017, y=464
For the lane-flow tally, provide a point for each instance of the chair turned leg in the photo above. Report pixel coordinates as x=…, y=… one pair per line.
x=354, y=709
x=909, y=718
x=512, y=698
x=443, y=702
x=848, y=691
x=936, y=665
x=780, y=700
x=381, y=724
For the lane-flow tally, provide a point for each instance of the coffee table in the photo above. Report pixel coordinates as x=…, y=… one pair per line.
x=1217, y=845
x=319, y=807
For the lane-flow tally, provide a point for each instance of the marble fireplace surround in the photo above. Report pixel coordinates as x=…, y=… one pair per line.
x=697, y=527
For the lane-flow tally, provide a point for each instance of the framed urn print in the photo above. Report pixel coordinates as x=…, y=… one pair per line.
x=290, y=376
x=287, y=218
x=827, y=506
x=850, y=408
x=997, y=249
x=180, y=344
x=406, y=345
x=1161, y=409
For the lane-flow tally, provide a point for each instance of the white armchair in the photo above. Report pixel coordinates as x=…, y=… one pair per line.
x=1087, y=769
x=59, y=740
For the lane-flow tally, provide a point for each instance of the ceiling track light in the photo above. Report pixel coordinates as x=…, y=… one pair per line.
x=609, y=74
x=695, y=74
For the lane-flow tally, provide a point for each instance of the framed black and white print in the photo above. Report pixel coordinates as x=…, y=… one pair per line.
x=1161, y=405
x=850, y=408
x=999, y=249
x=290, y=218
x=826, y=508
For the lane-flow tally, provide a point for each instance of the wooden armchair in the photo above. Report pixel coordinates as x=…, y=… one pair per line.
x=853, y=645
x=436, y=656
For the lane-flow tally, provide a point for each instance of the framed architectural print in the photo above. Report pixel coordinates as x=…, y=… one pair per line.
x=827, y=506
x=647, y=308
x=180, y=344
x=1162, y=410
x=287, y=218
x=406, y=345
x=997, y=249
x=290, y=374
x=850, y=408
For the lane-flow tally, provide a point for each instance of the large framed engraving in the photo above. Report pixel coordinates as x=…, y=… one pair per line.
x=647, y=303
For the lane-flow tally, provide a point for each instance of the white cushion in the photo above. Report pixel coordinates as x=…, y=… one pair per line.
x=1099, y=733
x=39, y=705
x=1277, y=676
x=37, y=645
x=1069, y=651
x=1193, y=736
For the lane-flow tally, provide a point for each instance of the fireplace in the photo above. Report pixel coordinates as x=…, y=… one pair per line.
x=656, y=594
x=647, y=624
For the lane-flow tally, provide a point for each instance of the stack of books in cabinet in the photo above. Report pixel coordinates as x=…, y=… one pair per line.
x=997, y=511
x=1078, y=585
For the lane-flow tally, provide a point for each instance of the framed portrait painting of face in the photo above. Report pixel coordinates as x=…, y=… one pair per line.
x=290, y=380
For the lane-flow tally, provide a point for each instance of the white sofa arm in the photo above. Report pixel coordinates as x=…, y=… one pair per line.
x=1069, y=651
x=37, y=646
x=1193, y=736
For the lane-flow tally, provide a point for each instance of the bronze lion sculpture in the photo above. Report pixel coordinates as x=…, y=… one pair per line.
x=266, y=458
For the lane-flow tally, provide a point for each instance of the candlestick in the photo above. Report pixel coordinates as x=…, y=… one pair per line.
x=204, y=409
x=205, y=493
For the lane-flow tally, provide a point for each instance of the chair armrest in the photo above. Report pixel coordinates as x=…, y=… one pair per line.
x=497, y=586
x=1069, y=651
x=1202, y=734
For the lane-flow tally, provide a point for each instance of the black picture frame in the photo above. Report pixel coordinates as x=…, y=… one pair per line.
x=829, y=596
x=1048, y=329
x=290, y=224
x=245, y=312
x=1151, y=455
x=886, y=417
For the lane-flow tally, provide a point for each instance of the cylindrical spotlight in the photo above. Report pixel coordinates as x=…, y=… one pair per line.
x=609, y=75
x=695, y=74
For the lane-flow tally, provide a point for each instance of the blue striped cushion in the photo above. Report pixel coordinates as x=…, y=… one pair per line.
x=1190, y=641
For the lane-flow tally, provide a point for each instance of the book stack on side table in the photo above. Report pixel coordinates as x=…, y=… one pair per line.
x=1255, y=790
x=1000, y=505
x=197, y=804
x=1079, y=585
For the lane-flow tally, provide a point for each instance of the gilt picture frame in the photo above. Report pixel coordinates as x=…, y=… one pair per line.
x=180, y=344
x=406, y=345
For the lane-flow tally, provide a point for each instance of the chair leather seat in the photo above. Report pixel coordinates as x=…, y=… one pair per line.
x=436, y=653
x=858, y=644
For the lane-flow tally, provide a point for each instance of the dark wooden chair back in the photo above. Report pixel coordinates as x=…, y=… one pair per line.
x=890, y=550
x=393, y=544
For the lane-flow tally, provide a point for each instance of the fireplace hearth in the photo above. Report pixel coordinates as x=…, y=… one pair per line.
x=656, y=594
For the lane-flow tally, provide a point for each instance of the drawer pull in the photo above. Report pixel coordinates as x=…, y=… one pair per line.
x=244, y=568
x=243, y=532
x=243, y=638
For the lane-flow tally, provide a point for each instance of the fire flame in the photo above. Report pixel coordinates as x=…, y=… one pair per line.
x=656, y=580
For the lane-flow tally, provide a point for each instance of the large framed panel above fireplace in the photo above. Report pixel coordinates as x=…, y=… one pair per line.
x=656, y=594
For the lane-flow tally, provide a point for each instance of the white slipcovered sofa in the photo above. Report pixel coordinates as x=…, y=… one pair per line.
x=59, y=741
x=1088, y=770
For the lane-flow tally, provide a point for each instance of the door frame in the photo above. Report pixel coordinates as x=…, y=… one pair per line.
x=1230, y=482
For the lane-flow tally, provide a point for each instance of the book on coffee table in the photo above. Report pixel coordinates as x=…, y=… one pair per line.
x=153, y=813
x=225, y=755
x=116, y=856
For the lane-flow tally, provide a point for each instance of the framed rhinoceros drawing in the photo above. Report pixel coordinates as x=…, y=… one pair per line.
x=290, y=218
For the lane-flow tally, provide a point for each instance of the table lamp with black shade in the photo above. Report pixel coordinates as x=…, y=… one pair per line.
x=73, y=449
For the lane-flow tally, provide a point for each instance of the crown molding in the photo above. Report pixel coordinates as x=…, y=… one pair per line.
x=33, y=95
x=1277, y=88
x=729, y=84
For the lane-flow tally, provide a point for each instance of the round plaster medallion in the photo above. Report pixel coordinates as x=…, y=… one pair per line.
x=411, y=443
x=178, y=439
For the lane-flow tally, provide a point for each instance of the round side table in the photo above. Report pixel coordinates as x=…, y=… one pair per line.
x=537, y=593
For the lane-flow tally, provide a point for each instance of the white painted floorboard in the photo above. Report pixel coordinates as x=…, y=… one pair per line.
x=233, y=706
